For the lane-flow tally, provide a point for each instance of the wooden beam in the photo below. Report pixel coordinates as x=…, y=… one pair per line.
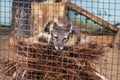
x=91, y=16
x=117, y=37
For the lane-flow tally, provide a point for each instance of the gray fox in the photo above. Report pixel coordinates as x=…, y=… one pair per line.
x=58, y=35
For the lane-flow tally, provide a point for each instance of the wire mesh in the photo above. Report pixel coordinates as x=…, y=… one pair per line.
x=59, y=40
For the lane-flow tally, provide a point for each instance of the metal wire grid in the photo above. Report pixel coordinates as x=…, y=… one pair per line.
x=109, y=64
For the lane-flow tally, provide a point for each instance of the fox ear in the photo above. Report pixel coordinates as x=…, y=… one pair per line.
x=50, y=26
x=69, y=27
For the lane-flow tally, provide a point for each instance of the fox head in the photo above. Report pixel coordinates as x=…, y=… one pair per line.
x=59, y=34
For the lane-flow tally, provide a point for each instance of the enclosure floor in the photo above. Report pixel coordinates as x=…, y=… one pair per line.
x=109, y=64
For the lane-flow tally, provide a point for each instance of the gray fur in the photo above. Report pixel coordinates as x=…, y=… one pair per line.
x=61, y=34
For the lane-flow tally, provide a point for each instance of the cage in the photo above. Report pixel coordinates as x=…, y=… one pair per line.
x=59, y=40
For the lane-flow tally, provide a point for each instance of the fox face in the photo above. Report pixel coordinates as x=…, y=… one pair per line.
x=59, y=37
x=59, y=34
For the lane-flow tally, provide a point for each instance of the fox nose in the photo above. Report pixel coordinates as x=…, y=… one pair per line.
x=61, y=48
x=58, y=48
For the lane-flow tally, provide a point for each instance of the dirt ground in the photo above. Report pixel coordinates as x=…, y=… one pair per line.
x=109, y=64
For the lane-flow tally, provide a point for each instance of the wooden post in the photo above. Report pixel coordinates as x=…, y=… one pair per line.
x=42, y=13
x=117, y=39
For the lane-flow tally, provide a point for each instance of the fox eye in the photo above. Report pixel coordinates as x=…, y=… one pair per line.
x=65, y=39
x=55, y=37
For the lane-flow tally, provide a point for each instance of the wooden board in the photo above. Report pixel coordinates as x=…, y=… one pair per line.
x=100, y=40
x=103, y=40
x=42, y=13
x=91, y=16
x=117, y=39
x=117, y=36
